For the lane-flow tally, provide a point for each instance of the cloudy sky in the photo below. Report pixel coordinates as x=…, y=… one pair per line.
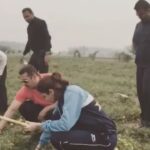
x=72, y=23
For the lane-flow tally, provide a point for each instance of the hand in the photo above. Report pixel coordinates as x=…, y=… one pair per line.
x=45, y=110
x=42, y=115
x=38, y=147
x=32, y=126
x=46, y=59
x=23, y=60
x=1, y=131
x=2, y=125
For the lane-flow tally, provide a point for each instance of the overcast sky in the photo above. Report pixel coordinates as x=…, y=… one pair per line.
x=72, y=23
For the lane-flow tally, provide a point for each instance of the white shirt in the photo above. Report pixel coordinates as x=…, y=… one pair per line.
x=3, y=61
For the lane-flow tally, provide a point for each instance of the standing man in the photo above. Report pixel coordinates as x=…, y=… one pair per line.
x=39, y=41
x=3, y=74
x=141, y=43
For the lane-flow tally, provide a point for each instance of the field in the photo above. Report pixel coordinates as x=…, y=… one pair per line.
x=105, y=79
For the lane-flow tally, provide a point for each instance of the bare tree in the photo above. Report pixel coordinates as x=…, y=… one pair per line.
x=93, y=55
x=77, y=53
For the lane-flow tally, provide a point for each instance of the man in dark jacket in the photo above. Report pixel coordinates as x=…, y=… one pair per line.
x=141, y=43
x=39, y=41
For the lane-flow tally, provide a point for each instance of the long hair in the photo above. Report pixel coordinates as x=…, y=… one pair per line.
x=54, y=82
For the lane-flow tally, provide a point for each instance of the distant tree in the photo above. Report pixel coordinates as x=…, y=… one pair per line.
x=19, y=51
x=4, y=48
x=93, y=55
x=122, y=56
x=131, y=49
x=77, y=53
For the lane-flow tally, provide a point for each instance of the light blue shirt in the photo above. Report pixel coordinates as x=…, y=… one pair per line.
x=75, y=98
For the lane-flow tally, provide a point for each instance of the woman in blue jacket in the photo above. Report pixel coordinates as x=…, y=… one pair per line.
x=78, y=121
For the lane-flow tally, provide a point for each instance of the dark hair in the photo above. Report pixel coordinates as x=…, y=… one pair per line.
x=27, y=9
x=142, y=4
x=29, y=69
x=54, y=82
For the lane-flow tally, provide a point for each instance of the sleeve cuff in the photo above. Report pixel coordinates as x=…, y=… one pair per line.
x=45, y=138
x=45, y=125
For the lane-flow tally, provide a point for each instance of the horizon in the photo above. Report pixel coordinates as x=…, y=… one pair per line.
x=105, y=24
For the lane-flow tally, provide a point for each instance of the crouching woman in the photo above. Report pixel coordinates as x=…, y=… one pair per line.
x=79, y=122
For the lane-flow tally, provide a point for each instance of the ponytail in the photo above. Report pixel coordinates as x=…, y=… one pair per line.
x=54, y=82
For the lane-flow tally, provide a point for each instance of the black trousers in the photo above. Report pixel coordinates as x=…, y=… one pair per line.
x=83, y=140
x=143, y=91
x=3, y=91
x=37, y=60
x=30, y=111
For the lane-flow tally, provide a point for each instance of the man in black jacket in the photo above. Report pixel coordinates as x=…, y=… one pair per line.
x=39, y=41
x=141, y=43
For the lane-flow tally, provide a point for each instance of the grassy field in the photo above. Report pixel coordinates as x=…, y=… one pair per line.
x=104, y=79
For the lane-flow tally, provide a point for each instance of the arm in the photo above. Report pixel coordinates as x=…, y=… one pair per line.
x=71, y=112
x=12, y=109
x=27, y=47
x=50, y=107
x=46, y=37
x=135, y=38
x=45, y=110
